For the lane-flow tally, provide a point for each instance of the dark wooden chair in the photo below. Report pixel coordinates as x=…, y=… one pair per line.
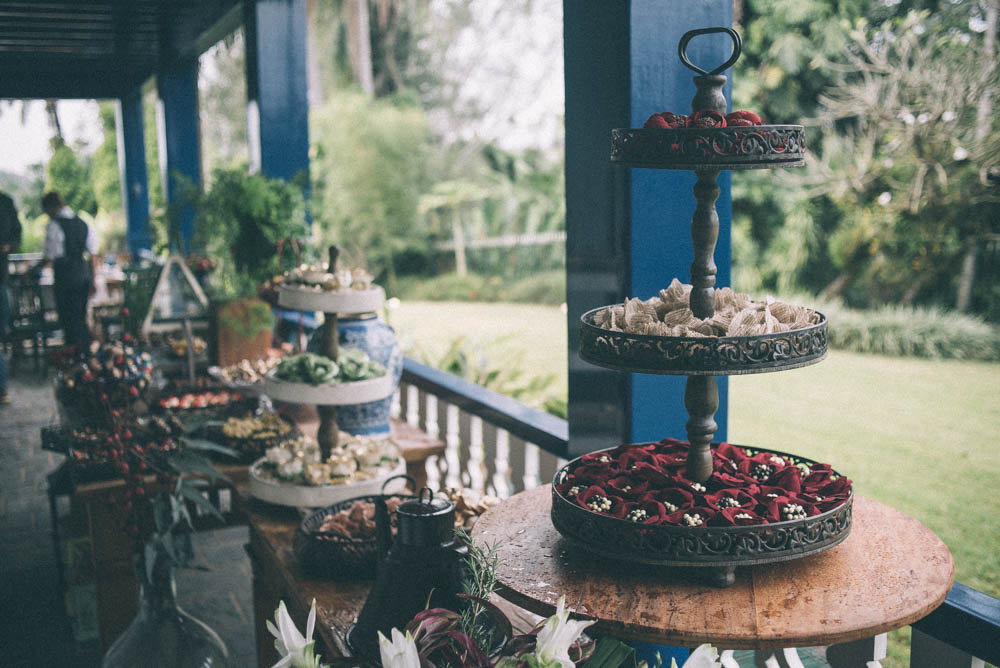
x=34, y=317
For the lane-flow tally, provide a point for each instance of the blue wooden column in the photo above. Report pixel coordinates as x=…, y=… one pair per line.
x=132, y=169
x=628, y=231
x=278, y=111
x=179, y=136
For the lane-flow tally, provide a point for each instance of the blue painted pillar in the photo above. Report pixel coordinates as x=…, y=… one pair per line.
x=278, y=108
x=132, y=169
x=179, y=137
x=628, y=231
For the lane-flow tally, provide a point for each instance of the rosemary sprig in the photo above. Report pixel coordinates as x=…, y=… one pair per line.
x=480, y=582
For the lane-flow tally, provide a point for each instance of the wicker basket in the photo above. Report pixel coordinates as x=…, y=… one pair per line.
x=334, y=555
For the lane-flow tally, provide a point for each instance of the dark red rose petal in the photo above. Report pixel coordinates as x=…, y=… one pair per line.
x=655, y=121
x=675, y=120
x=707, y=118
x=742, y=499
x=742, y=118
x=737, y=517
x=703, y=513
x=788, y=478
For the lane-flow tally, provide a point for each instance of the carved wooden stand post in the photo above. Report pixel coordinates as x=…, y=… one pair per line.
x=701, y=393
x=327, y=435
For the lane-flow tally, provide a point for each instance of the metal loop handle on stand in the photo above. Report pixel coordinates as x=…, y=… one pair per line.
x=690, y=34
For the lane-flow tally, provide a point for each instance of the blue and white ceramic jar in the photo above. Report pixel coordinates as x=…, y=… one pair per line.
x=366, y=332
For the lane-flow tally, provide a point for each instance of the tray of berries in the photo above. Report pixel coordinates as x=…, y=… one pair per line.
x=634, y=502
x=707, y=139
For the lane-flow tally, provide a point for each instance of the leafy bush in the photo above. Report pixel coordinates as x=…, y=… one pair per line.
x=507, y=378
x=911, y=332
x=371, y=161
x=543, y=288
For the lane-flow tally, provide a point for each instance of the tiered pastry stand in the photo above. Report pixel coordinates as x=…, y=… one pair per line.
x=328, y=397
x=701, y=359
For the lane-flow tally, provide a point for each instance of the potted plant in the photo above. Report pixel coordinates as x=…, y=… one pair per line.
x=239, y=224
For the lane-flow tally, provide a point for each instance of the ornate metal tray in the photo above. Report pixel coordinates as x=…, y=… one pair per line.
x=754, y=147
x=721, y=547
x=703, y=355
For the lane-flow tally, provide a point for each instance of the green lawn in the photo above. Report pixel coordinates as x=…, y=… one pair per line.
x=914, y=434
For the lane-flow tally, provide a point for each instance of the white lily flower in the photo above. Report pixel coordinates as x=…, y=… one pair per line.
x=295, y=649
x=400, y=652
x=557, y=636
x=704, y=656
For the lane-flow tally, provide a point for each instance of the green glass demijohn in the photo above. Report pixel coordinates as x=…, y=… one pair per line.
x=162, y=635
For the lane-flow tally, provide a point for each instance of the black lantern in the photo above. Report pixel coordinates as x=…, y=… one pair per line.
x=423, y=568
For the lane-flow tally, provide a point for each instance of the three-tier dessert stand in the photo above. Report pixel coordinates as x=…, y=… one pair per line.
x=327, y=397
x=714, y=550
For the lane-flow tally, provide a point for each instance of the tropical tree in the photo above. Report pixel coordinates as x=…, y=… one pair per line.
x=69, y=173
x=899, y=109
x=914, y=166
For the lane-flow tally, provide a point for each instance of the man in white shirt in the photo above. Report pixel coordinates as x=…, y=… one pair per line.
x=67, y=239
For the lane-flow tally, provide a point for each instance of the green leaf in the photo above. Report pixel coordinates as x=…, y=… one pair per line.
x=611, y=653
x=162, y=513
x=167, y=541
x=205, y=445
x=192, y=493
x=179, y=511
x=191, y=463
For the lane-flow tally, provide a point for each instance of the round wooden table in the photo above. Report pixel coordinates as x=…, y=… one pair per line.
x=888, y=573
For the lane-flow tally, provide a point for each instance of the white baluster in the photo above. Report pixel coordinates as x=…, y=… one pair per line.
x=489, y=458
x=433, y=428
x=453, y=471
x=501, y=479
x=412, y=405
x=784, y=658
x=531, y=466
x=475, y=466
x=395, y=409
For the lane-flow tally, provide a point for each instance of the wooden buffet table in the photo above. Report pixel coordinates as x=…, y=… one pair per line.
x=889, y=572
x=98, y=510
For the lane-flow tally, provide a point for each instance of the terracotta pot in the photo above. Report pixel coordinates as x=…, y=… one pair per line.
x=240, y=331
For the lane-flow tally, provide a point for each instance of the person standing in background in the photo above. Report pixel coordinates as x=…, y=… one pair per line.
x=67, y=240
x=10, y=242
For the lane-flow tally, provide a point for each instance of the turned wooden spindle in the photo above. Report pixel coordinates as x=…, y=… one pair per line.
x=701, y=394
x=704, y=234
x=701, y=399
x=328, y=434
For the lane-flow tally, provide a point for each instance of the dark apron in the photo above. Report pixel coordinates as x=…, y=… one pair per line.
x=71, y=269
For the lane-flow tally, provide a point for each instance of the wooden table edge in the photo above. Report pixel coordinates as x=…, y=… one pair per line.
x=655, y=635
